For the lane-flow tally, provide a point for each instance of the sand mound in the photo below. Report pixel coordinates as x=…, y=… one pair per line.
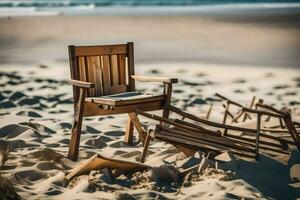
x=46, y=154
x=13, y=130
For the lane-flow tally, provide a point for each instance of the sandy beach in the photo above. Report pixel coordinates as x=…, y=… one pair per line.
x=238, y=57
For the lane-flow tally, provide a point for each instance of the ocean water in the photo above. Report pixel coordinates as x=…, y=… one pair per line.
x=138, y=7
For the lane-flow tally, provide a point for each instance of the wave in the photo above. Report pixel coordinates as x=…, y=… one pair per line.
x=103, y=3
x=131, y=7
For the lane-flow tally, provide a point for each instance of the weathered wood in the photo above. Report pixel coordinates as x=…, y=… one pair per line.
x=168, y=94
x=130, y=63
x=146, y=145
x=129, y=132
x=293, y=132
x=114, y=70
x=115, y=89
x=101, y=50
x=154, y=79
x=228, y=100
x=257, y=136
x=209, y=111
x=225, y=116
x=76, y=129
x=95, y=109
x=270, y=108
x=210, y=123
x=137, y=124
x=81, y=84
x=251, y=106
x=124, y=101
x=261, y=112
x=198, y=128
x=106, y=74
x=190, y=142
x=74, y=71
x=90, y=74
x=208, y=139
x=122, y=69
x=98, y=76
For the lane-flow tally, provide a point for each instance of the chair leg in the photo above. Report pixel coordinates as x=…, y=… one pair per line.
x=146, y=145
x=138, y=126
x=129, y=132
x=168, y=93
x=76, y=129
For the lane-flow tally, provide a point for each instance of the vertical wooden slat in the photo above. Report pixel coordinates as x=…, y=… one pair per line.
x=114, y=69
x=106, y=74
x=122, y=69
x=91, y=72
x=81, y=66
x=98, y=76
x=130, y=60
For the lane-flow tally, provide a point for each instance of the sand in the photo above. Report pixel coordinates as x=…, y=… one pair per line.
x=35, y=93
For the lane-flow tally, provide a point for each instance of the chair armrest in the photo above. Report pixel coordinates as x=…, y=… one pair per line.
x=154, y=79
x=81, y=84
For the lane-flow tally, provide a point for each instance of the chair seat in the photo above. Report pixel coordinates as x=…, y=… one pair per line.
x=127, y=98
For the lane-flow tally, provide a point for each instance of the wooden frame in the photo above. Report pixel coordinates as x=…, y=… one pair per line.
x=188, y=135
x=98, y=72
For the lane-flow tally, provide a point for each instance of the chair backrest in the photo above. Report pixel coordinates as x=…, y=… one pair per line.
x=108, y=66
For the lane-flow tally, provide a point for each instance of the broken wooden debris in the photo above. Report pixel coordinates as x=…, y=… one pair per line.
x=198, y=133
x=98, y=162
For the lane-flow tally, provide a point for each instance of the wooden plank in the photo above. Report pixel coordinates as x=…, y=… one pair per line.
x=122, y=69
x=257, y=136
x=197, y=143
x=138, y=126
x=98, y=76
x=217, y=140
x=128, y=138
x=106, y=74
x=93, y=109
x=76, y=129
x=91, y=72
x=101, y=50
x=74, y=72
x=81, y=66
x=154, y=79
x=145, y=149
x=120, y=102
x=82, y=84
x=115, y=89
x=114, y=70
x=130, y=62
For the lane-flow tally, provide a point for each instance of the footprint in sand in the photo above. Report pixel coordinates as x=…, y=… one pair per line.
x=30, y=175
x=28, y=102
x=114, y=133
x=29, y=114
x=119, y=144
x=2, y=97
x=282, y=86
x=17, y=96
x=7, y=104
x=66, y=125
x=65, y=141
x=46, y=166
x=96, y=143
x=90, y=129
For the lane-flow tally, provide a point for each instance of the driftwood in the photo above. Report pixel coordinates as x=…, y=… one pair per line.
x=98, y=162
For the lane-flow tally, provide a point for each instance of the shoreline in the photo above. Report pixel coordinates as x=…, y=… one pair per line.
x=206, y=9
x=257, y=40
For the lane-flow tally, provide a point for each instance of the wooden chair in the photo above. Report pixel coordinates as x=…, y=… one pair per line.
x=104, y=83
